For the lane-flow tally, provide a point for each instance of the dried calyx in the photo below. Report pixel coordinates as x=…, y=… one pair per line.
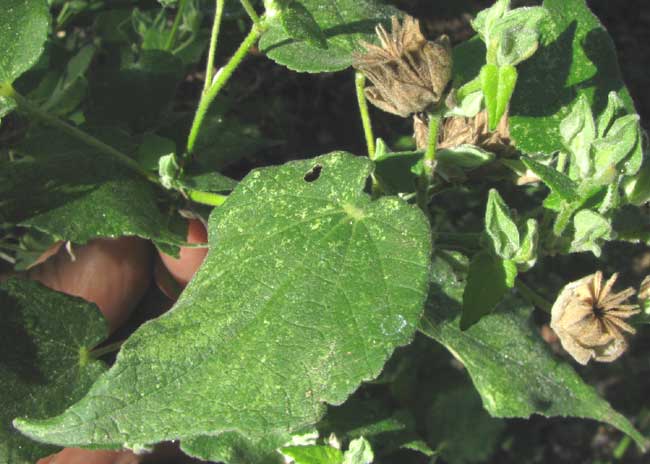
x=458, y=131
x=644, y=289
x=589, y=319
x=408, y=73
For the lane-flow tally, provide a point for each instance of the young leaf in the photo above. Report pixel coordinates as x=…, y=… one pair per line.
x=359, y=452
x=23, y=30
x=578, y=132
x=234, y=448
x=577, y=57
x=557, y=181
x=498, y=84
x=500, y=227
x=45, y=338
x=591, y=230
x=488, y=280
x=516, y=35
x=614, y=106
x=313, y=454
x=151, y=149
x=637, y=189
x=513, y=369
x=485, y=19
x=526, y=257
x=617, y=146
x=299, y=24
x=342, y=22
x=308, y=287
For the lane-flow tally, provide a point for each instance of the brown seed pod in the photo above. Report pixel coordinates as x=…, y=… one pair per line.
x=408, y=73
x=644, y=289
x=589, y=319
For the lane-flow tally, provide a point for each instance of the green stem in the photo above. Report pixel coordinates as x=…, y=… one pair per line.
x=429, y=160
x=177, y=21
x=220, y=80
x=51, y=120
x=561, y=161
x=216, y=25
x=206, y=198
x=533, y=297
x=101, y=351
x=252, y=13
x=360, y=82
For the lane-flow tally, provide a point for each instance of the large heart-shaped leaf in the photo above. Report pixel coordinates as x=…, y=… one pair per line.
x=514, y=371
x=342, y=22
x=308, y=287
x=45, y=338
x=578, y=58
x=23, y=30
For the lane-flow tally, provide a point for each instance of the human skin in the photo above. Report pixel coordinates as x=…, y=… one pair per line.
x=183, y=268
x=114, y=274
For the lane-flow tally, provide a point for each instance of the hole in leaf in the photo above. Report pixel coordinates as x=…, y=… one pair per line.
x=313, y=174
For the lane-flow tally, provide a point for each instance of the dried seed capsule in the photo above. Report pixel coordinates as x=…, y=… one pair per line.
x=589, y=319
x=408, y=73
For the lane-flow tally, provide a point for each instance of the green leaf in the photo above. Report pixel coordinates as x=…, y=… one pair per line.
x=516, y=35
x=234, y=448
x=487, y=18
x=500, y=227
x=299, y=24
x=136, y=95
x=45, y=338
x=512, y=368
x=24, y=26
x=488, y=280
x=314, y=454
x=591, y=230
x=577, y=57
x=359, y=452
x=449, y=419
x=343, y=23
x=578, y=131
x=617, y=146
x=151, y=149
x=310, y=289
x=614, y=107
x=637, y=189
x=526, y=257
x=77, y=194
x=557, y=181
x=498, y=84
x=168, y=170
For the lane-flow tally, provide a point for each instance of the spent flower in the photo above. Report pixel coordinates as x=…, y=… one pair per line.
x=589, y=319
x=408, y=73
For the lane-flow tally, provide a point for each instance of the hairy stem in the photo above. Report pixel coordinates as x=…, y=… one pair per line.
x=428, y=162
x=51, y=120
x=360, y=81
x=252, y=13
x=216, y=25
x=111, y=347
x=220, y=81
x=206, y=198
x=177, y=21
x=533, y=297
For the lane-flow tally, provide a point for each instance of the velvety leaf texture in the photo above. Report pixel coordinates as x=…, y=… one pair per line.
x=512, y=368
x=308, y=287
x=343, y=23
x=43, y=337
x=577, y=58
x=23, y=30
x=80, y=197
x=234, y=448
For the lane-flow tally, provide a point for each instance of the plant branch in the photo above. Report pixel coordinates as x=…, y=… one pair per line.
x=216, y=25
x=533, y=297
x=251, y=12
x=429, y=160
x=206, y=198
x=101, y=351
x=220, y=81
x=177, y=21
x=28, y=107
x=360, y=81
